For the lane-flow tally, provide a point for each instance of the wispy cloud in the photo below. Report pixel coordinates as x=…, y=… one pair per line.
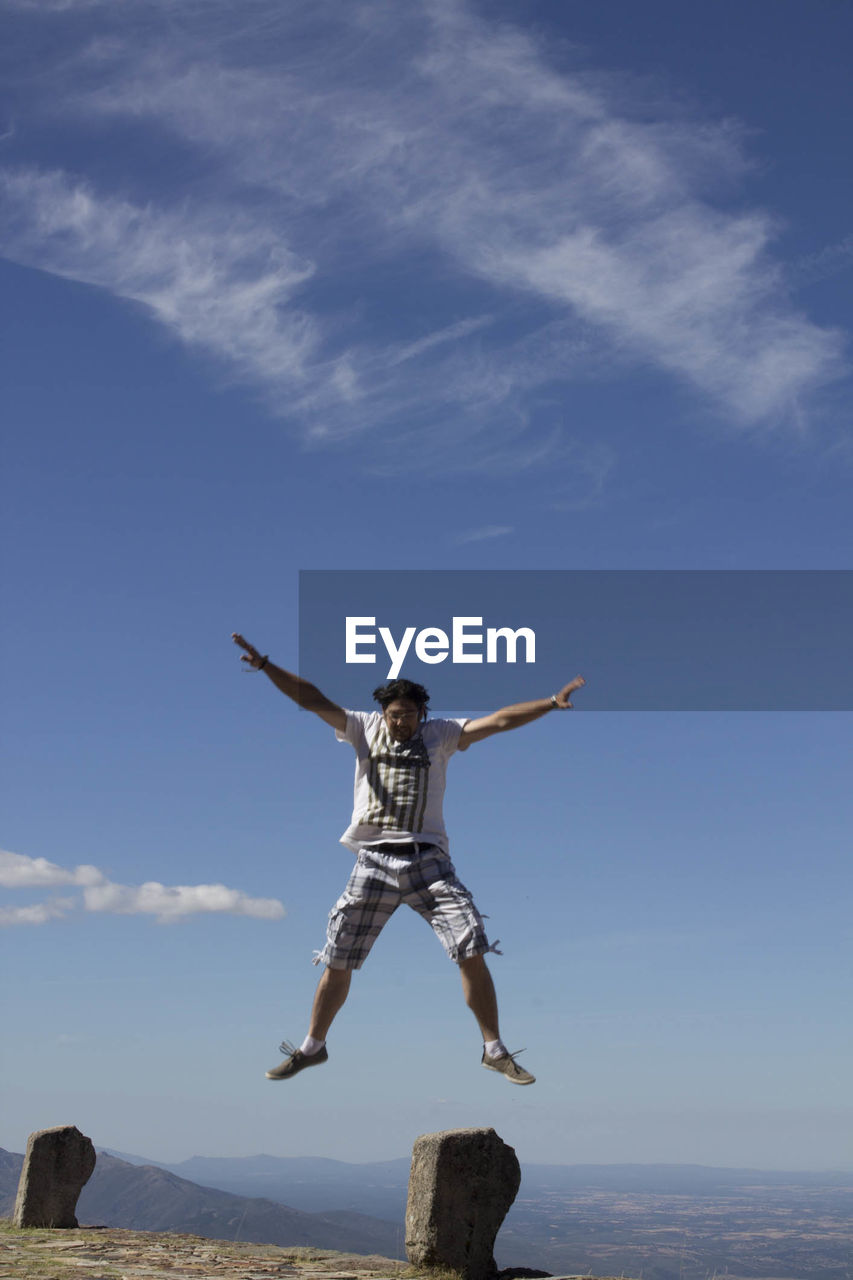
x=375, y=143
x=827, y=262
x=582, y=482
x=167, y=903
x=484, y=534
x=56, y=6
x=219, y=284
x=690, y=290
x=452, y=333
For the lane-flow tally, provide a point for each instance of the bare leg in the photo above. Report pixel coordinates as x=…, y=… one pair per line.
x=332, y=991
x=479, y=992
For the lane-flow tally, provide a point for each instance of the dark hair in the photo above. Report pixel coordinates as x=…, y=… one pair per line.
x=388, y=693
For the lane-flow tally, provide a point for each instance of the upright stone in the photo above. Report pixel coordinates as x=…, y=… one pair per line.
x=462, y=1184
x=57, y=1166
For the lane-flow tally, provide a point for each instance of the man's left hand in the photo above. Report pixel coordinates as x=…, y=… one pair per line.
x=564, y=697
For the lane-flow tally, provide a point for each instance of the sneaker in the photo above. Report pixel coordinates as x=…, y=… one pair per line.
x=295, y=1061
x=508, y=1067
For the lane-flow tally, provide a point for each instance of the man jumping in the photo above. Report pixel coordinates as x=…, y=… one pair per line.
x=397, y=834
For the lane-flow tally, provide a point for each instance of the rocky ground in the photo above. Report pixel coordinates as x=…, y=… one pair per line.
x=109, y=1253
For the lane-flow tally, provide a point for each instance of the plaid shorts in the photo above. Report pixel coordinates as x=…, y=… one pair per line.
x=426, y=881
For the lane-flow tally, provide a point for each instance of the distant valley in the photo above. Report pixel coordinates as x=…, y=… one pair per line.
x=148, y=1197
x=658, y=1222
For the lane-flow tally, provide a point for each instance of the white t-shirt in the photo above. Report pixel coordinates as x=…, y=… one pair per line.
x=399, y=786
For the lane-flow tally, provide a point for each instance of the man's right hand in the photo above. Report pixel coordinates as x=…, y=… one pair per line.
x=298, y=690
x=251, y=657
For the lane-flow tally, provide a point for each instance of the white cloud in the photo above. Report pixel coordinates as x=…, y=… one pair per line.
x=167, y=903
x=691, y=290
x=220, y=284
x=38, y=913
x=358, y=140
x=17, y=871
x=174, y=902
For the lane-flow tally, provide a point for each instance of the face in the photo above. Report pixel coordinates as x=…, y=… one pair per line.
x=402, y=717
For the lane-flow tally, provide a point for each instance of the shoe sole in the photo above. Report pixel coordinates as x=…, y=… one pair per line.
x=272, y=1075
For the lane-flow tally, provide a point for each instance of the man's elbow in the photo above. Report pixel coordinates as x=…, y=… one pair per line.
x=312, y=699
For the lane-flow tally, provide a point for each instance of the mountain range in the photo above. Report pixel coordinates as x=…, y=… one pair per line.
x=663, y=1222
x=147, y=1197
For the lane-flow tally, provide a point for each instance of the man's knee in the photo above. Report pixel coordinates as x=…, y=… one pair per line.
x=336, y=976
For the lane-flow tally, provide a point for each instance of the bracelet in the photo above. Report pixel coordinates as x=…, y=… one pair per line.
x=264, y=662
x=554, y=702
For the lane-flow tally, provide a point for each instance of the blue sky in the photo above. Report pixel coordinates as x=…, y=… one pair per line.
x=435, y=286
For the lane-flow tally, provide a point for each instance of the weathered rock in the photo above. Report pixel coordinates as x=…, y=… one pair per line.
x=462, y=1184
x=57, y=1166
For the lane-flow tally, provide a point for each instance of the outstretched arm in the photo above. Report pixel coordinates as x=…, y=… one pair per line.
x=518, y=714
x=300, y=691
